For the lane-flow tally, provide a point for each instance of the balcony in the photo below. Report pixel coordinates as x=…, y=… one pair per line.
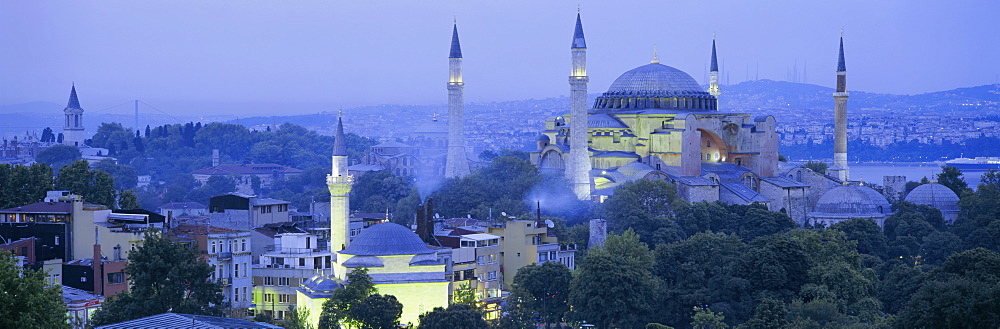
x=226, y=255
x=226, y=281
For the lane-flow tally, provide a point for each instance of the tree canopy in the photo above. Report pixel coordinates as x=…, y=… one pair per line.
x=163, y=275
x=27, y=301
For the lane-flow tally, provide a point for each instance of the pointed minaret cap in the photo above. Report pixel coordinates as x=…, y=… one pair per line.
x=841, y=65
x=715, y=61
x=73, y=103
x=456, y=48
x=579, y=42
x=339, y=142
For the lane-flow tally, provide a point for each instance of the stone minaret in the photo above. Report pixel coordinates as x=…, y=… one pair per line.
x=456, y=164
x=339, y=182
x=73, y=127
x=578, y=166
x=840, y=120
x=713, y=77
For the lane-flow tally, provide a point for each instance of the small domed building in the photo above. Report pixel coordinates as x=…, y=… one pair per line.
x=399, y=263
x=850, y=201
x=938, y=196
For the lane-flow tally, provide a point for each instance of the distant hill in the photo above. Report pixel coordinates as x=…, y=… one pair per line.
x=391, y=121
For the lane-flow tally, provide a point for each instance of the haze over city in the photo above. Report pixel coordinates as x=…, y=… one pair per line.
x=255, y=58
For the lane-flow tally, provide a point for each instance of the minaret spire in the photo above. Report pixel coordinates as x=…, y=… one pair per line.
x=339, y=182
x=578, y=166
x=713, y=76
x=339, y=142
x=840, y=95
x=73, y=125
x=456, y=162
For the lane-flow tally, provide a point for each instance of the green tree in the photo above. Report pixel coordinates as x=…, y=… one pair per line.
x=26, y=300
x=704, y=318
x=297, y=318
x=958, y=302
x=643, y=205
x=22, y=185
x=952, y=178
x=128, y=200
x=867, y=233
x=94, y=185
x=125, y=176
x=546, y=288
x=701, y=271
x=896, y=287
x=377, y=312
x=465, y=294
x=817, y=166
x=454, y=317
x=770, y=314
x=163, y=275
x=58, y=156
x=614, y=285
x=337, y=309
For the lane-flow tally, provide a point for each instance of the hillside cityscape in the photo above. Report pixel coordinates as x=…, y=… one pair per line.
x=662, y=197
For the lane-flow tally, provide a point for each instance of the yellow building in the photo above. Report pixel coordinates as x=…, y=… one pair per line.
x=528, y=242
x=399, y=263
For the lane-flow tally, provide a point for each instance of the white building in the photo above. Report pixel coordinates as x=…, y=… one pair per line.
x=295, y=258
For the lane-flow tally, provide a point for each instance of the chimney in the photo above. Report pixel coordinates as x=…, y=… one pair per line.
x=98, y=266
x=538, y=214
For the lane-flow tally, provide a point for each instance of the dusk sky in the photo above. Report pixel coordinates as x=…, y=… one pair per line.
x=312, y=56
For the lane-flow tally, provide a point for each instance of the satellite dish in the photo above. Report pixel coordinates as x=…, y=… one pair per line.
x=469, y=216
x=549, y=223
x=436, y=215
x=503, y=213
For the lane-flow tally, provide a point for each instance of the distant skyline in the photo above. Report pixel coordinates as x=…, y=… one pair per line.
x=280, y=58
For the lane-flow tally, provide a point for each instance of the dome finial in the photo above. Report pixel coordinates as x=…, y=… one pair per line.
x=656, y=59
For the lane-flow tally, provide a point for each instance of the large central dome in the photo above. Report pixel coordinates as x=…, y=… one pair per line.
x=655, y=77
x=656, y=86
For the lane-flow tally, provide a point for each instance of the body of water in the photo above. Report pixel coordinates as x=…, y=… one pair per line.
x=914, y=171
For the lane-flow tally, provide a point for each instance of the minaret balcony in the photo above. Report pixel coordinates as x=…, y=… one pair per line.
x=339, y=180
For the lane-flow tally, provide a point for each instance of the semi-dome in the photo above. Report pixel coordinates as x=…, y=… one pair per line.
x=852, y=201
x=934, y=195
x=386, y=239
x=656, y=85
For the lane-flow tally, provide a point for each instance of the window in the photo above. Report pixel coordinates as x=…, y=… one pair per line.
x=302, y=262
x=83, y=279
x=244, y=293
x=57, y=240
x=268, y=281
x=269, y=298
x=542, y=257
x=116, y=277
x=236, y=294
x=243, y=245
x=480, y=260
x=236, y=270
x=246, y=270
x=282, y=281
x=283, y=298
x=493, y=259
x=213, y=246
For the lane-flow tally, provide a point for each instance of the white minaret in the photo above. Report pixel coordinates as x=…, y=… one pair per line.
x=713, y=77
x=840, y=95
x=578, y=166
x=73, y=127
x=339, y=182
x=456, y=164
